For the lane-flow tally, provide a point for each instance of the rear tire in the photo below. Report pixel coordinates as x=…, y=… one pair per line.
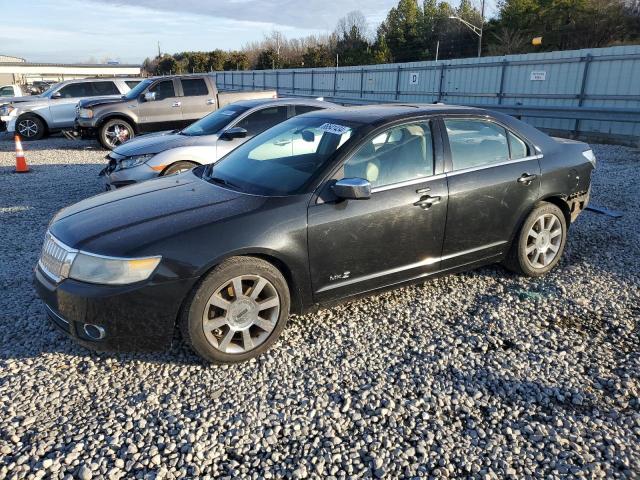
x=115, y=132
x=237, y=312
x=178, y=167
x=540, y=242
x=30, y=127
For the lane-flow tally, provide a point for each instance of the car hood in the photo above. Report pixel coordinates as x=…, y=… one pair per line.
x=94, y=102
x=27, y=98
x=126, y=222
x=161, y=141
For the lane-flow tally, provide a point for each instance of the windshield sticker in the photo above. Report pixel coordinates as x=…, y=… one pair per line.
x=334, y=128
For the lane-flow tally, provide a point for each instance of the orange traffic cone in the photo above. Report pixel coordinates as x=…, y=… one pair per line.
x=21, y=162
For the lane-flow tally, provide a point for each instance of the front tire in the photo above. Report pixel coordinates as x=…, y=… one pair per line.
x=178, y=167
x=237, y=312
x=540, y=242
x=30, y=127
x=115, y=132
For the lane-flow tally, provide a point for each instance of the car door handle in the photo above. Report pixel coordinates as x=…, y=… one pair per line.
x=176, y=104
x=211, y=101
x=527, y=178
x=427, y=201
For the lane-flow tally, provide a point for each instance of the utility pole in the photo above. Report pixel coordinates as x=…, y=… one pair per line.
x=476, y=30
x=481, y=28
x=159, y=55
x=337, y=60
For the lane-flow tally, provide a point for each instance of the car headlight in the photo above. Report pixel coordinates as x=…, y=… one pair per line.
x=6, y=110
x=134, y=161
x=85, y=113
x=589, y=155
x=91, y=268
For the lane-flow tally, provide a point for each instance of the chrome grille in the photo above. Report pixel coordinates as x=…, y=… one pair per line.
x=55, y=257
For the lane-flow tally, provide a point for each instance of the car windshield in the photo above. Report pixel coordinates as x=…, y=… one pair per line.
x=49, y=91
x=138, y=89
x=214, y=122
x=285, y=159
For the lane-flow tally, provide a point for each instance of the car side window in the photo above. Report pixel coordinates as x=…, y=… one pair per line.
x=6, y=92
x=300, y=109
x=193, y=87
x=476, y=142
x=397, y=155
x=258, y=122
x=76, y=90
x=163, y=89
x=132, y=83
x=105, y=88
x=517, y=147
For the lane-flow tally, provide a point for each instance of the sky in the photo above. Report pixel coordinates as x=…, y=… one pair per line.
x=94, y=30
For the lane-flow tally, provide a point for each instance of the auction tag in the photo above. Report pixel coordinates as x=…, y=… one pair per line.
x=334, y=128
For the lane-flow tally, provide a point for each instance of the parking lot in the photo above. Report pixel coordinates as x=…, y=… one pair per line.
x=483, y=374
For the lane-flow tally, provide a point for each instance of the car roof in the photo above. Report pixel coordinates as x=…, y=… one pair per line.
x=258, y=102
x=386, y=112
x=97, y=79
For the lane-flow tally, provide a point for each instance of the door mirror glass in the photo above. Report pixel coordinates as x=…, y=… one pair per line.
x=56, y=95
x=233, y=132
x=352, y=189
x=150, y=96
x=308, y=136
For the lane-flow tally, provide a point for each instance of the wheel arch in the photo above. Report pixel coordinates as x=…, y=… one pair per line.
x=120, y=116
x=558, y=200
x=195, y=164
x=34, y=114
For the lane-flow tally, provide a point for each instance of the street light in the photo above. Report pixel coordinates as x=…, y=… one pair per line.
x=476, y=30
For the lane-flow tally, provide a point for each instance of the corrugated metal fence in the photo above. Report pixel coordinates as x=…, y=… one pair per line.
x=592, y=93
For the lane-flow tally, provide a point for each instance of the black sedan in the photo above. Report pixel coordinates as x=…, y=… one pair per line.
x=320, y=208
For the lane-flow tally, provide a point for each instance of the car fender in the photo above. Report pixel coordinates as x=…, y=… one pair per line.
x=200, y=154
x=42, y=110
x=100, y=120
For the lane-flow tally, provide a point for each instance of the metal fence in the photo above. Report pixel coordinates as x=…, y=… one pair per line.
x=592, y=93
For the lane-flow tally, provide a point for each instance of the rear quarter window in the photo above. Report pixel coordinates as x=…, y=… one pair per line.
x=105, y=88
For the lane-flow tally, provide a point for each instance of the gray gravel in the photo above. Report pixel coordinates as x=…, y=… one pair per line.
x=482, y=374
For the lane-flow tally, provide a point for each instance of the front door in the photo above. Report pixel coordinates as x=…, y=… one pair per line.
x=493, y=181
x=359, y=245
x=163, y=113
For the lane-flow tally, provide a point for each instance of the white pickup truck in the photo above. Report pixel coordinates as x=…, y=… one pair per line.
x=12, y=91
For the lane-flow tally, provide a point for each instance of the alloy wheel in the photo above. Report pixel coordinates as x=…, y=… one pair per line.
x=117, y=134
x=544, y=240
x=241, y=314
x=27, y=128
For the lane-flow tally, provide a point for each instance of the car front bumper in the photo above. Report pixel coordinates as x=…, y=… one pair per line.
x=138, y=317
x=121, y=178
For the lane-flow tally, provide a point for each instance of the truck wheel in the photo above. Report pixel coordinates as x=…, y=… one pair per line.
x=115, y=132
x=237, y=311
x=539, y=245
x=178, y=167
x=30, y=127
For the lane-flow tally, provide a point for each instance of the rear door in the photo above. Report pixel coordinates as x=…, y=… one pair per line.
x=494, y=179
x=163, y=113
x=197, y=100
x=254, y=123
x=357, y=246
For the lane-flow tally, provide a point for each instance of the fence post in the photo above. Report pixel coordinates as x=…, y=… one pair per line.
x=335, y=81
x=293, y=82
x=277, y=81
x=312, y=87
x=502, y=72
x=398, y=83
x=264, y=79
x=442, y=68
x=361, y=81
x=253, y=80
x=583, y=87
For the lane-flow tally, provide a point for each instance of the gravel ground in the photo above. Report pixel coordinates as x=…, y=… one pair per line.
x=482, y=374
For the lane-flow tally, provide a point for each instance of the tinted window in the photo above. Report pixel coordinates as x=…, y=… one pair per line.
x=132, y=83
x=193, y=87
x=6, y=92
x=258, y=122
x=216, y=121
x=518, y=147
x=76, y=90
x=300, y=109
x=163, y=89
x=397, y=155
x=476, y=142
x=285, y=159
x=105, y=88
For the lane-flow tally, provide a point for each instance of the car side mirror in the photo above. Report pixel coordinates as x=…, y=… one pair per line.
x=352, y=189
x=308, y=136
x=56, y=95
x=150, y=96
x=234, y=132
